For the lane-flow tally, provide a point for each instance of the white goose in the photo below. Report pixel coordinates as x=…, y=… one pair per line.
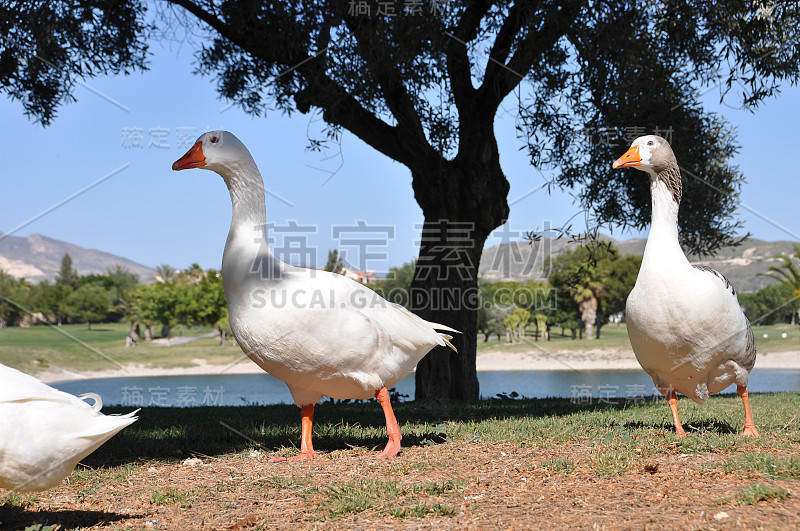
x=685, y=323
x=319, y=332
x=44, y=432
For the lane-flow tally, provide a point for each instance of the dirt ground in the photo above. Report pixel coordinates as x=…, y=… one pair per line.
x=463, y=485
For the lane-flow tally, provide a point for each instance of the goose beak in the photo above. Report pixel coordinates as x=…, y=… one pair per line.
x=630, y=158
x=194, y=158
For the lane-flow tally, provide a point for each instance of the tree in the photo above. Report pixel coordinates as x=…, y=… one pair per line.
x=334, y=264
x=166, y=273
x=14, y=296
x=127, y=308
x=770, y=305
x=597, y=278
x=587, y=293
x=425, y=90
x=523, y=318
x=494, y=321
x=67, y=276
x=51, y=300
x=787, y=273
x=116, y=281
x=158, y=303
x=541, y=326
x=511, y=324
x=89, y=303
x=619, y=273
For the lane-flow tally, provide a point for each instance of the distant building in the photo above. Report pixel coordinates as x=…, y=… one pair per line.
x=365, y=277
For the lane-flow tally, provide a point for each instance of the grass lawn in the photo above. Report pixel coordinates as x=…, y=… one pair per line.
x=497, y=463
x=613, y=337
x=37, y=348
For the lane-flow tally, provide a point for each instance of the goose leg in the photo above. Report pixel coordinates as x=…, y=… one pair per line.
x=672, y=398
x=749, y=425
x=392, y=428
x=306, y=448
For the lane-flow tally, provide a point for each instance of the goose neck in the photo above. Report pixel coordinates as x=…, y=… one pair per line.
x=247, y=195
x=662, y=243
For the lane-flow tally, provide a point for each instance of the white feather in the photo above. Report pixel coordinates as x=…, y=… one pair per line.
x=44, y=432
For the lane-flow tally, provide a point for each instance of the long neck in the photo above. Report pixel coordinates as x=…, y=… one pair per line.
x=662, y=243
x=247, y=256
x=247, y=195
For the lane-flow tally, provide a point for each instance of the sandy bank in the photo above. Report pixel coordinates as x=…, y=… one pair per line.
x=531, y=360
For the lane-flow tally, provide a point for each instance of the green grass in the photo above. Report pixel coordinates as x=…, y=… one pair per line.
x=166, y=496
x=15, y=499
x=41, y=347
x=611, y=463
x=619, y=435
x=771, y=466
x=758, y=492
x=559, y=466
x=613, y=337
x=387, y=497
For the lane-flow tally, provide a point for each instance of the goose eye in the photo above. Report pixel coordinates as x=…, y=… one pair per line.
x=650, y=143
x=214, y=139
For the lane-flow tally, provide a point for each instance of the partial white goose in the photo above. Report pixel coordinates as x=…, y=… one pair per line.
x=44, y=432
x=685, y=323
x=319, y=332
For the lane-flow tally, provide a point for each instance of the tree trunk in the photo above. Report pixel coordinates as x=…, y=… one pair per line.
x=463, y=201
x=88, y=325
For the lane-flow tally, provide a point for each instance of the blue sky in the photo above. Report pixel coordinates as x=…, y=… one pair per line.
x=150, y=214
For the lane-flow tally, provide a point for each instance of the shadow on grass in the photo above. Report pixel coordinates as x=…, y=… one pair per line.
x=177, y=433
x=704, y=426
x=13, y=517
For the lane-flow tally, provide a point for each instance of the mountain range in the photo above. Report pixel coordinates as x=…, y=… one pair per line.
x=38, y=257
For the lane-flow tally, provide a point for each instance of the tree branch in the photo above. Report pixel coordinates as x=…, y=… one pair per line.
x=339, y=106
x=501, y=79
x=458, y=66
x=391, y=82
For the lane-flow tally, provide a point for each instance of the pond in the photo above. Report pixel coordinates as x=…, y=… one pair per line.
x=248, y=389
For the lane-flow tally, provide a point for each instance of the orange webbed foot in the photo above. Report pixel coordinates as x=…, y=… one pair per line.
x=750, y=431
x=391, y=450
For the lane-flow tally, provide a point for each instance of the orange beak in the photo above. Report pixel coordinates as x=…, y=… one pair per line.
x=630, y=158
x=194, y=158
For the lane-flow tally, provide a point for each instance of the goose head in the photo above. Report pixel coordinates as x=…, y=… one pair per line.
x=649, y=153
x=217, y=151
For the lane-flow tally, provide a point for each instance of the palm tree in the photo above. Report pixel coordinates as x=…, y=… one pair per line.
x=787, y=273
x=586, y=294
x=166, y=272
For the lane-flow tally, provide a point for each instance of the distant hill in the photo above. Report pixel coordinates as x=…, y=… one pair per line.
x=523, y=260
x=38, y=258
